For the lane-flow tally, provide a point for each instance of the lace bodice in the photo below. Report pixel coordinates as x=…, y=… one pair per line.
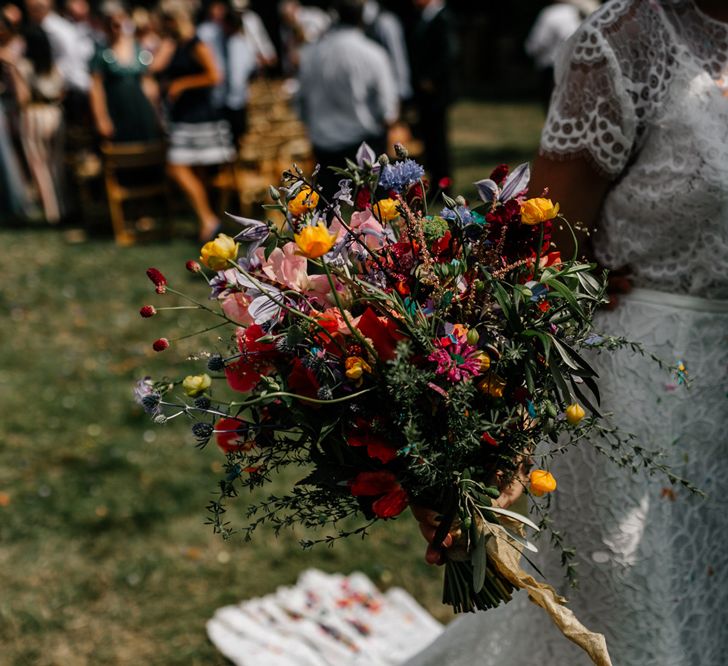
x=642, y=92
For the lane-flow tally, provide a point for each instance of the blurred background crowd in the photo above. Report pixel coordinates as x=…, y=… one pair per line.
x=105, y=107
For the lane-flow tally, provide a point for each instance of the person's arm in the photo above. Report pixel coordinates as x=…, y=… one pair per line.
x=99, y=108
x=580, y=190
x=208, y=78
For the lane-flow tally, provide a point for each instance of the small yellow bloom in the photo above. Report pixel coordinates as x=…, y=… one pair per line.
x=575, y=413
x=385, y=210
x=534, y=211
x=217, y=254
x=493, y=385
x=196, y=384
x=305, y=200
x=484, y=360
x=315, y=241
x=356, y=367
x=542, y=482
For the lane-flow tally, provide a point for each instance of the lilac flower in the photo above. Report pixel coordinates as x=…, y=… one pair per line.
x=344, y=195
x=400, y=175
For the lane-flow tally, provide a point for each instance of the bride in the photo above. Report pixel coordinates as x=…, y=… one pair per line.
x=636, y=143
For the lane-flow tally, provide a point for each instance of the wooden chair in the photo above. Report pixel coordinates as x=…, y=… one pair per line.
x=120, y=158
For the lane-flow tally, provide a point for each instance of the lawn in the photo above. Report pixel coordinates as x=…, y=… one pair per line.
x=104, y=557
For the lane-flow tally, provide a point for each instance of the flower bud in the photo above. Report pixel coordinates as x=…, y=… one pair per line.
x=158, y=279
x=193, y=267
x=160, y=345
x=383, y=159
x=400, y=151
x=147, y=311
x=473, y=337
x=575, y=413
x=274, y=193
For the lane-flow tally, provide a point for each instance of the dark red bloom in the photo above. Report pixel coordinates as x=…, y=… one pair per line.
x=363, y=199
x=376, y=446
x=244, y=374
x=441, y=245
x=488, y=439
x=382, y=331
x=498, y=175
x=192, y=266
x=444, y=183
x=302, y=380
x=147, y=311
x=248, y=342
x=160, y=345
x=158, y=279
x=230, y=435
x=393, y=498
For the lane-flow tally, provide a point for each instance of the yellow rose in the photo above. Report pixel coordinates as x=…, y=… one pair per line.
x=492, y=385
x=305, y=200
x=314, y=241
x=356, y=367
x=534, y=211
x=542, y=482
x=385, y=210
x=217, y=254
x=196, y=384
x=575, y=413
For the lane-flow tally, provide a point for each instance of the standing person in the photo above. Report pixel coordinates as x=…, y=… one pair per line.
x=14, y=196
x=42, y=122
x=636, y=141
x=121, y=89
x=234, y=55
x=72, y=50
x=300, y=25
x=347, y=92
x=385, y=28
x=254, y=29
x=198, y=137
x=554, y=24
x=433, y=50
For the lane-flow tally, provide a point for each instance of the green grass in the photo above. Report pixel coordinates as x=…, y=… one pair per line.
x=104, y=558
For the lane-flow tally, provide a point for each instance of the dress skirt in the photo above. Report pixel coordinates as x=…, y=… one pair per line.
x=652, y=558
x=200, y=144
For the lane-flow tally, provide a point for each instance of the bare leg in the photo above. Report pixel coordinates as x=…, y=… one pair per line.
x=193, y=187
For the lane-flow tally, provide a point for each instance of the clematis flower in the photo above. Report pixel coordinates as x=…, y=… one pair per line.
x=304, y=201
x=230, y=435
x=537, y=210
x=541, y=482
x=392, y=497
x=218, y=253
x=314, y=240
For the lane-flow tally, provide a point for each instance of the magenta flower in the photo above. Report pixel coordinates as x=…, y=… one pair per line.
x=456, y=359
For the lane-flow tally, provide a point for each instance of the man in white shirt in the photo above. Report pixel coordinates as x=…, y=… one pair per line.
x=348, y=93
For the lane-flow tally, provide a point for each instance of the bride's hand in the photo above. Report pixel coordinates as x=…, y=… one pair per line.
x=429, y=520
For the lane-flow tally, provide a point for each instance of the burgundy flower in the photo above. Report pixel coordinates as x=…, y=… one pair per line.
x=158, y=279
x=160, y=345
x=363, y=199
x=499, y=174
x=376, y=446
x=147, y=311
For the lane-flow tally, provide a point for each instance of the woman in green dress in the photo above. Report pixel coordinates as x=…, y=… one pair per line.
x=123, y=94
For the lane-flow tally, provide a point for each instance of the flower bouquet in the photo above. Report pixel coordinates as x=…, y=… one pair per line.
x=394, y=355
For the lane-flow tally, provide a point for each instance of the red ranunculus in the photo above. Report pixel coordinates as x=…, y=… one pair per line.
x=230, y=435
x=376, y=446
x=393, y=498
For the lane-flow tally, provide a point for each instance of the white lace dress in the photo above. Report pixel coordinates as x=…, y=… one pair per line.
x=641, y=91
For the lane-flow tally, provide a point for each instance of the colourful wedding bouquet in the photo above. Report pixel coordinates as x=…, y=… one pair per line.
x=395, y=355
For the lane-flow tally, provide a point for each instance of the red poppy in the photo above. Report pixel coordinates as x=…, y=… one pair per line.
x=230, y=435
x=376, y=446
x=382, y=331
x=244, y=374
x=393, y=498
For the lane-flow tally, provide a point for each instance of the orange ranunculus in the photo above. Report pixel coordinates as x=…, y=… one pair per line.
x=314, y=241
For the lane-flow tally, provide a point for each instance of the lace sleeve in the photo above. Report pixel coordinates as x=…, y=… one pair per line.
x=591, y=114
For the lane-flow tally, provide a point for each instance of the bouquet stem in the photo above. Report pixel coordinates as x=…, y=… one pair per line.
x=458, y=590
